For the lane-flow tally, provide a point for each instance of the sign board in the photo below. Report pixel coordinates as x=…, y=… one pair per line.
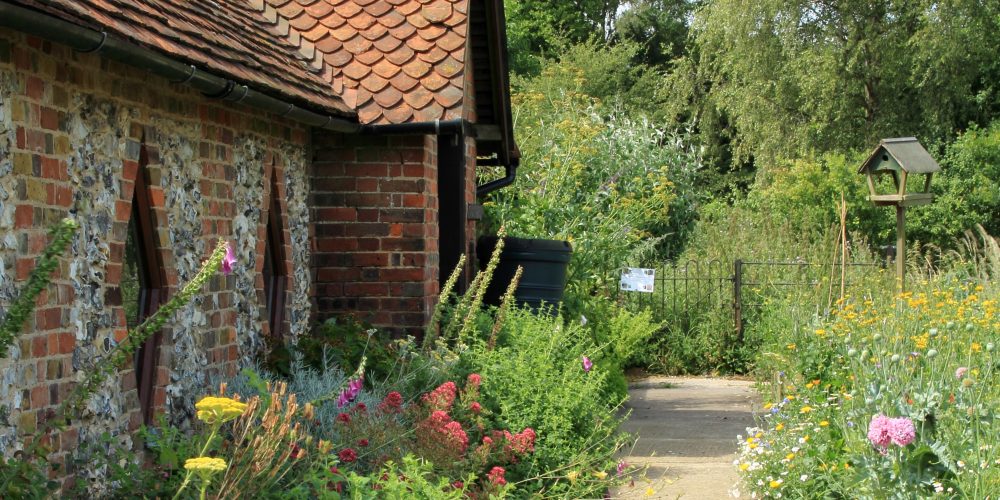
x=637, y=279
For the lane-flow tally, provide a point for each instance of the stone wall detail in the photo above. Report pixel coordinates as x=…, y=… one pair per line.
x=248, y=196
x=100, y=149
x=12, y=371
x=296, y=211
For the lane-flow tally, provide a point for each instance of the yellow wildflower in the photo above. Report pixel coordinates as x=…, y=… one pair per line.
x=779, y=427
x=824, y=423
x=600, y=474
x=205, y=465
x=806, y=409
x=572, y=476
x=775, y=483
x=650, y=491
x=744, y=466
x=213, y=410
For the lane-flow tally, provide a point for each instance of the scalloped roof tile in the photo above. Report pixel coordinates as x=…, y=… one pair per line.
x=404, y=57
x=259, y=44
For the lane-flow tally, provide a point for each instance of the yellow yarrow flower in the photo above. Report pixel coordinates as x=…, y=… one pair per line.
x=213, y=410
x=205, y=465
x=824, y=423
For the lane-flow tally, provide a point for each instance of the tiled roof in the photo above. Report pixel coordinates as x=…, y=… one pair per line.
x=235, y=38
x=394, y=61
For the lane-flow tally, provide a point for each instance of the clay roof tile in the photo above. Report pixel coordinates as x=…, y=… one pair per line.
x=357, y=45
x=400, y=56
x=416, y=68
x=347, y=9
x=388, y=97
x=403, y=82
x=418, y=97
x=370, y=57
x=431, y=112
x=432, y=56
x=434, y=81
x=432, y=32
x=387, y=44
x=374, y=32
x=386, y=69
x=361, y=20
x=378, y=8
x=449, y=96
x=374, y=82
x=449, y=67
x=451, y=41
x=398, y=114
x=436, y=12
x=356, y=70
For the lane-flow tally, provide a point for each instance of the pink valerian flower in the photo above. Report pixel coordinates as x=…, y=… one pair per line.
x=456, y=435
x=960, y=372
x=496, y=476
x=587, y=364
x=347, y=455
x=344, y=418
x=360, y=408
x=475, y=379
x=441, y=398
x=229, y=260
x=475, y=407
x=523, y=442
x=392, y=403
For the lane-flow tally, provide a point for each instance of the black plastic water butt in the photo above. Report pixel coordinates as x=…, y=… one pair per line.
x=544, y=263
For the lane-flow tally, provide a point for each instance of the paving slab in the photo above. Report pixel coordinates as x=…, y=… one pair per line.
x=687, y=429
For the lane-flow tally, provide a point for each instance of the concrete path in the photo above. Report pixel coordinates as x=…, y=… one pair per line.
x=687, y=431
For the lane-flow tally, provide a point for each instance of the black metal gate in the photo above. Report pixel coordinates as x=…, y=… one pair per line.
x=688, y=292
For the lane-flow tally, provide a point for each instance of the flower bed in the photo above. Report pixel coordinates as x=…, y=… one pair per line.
x=898, y=401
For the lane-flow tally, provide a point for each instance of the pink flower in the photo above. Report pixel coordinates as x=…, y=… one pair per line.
x=228, y=260
x=487, y=440
x=878, y=431
x=347, y=455
x=622, y=466
x=392, y=403
x=441, y=398
x=475, y=407
x=360, y=408
x=362, y=442
x=901, y=431
x=960, y=372
x=344, y=418
x=587, y=364
x=475, y=380
x=496, y=476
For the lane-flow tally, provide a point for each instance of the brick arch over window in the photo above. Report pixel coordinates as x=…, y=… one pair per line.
x=143, y=284
x=275, y=267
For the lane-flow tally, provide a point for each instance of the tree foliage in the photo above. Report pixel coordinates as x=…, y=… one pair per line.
x=795, y=76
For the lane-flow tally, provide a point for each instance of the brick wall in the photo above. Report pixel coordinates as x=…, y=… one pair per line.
x=375, y=215
x=75, y=131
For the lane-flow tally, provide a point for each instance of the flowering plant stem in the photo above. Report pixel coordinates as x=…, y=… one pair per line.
x=204, y=449
x=61, y=236
x=99, y=372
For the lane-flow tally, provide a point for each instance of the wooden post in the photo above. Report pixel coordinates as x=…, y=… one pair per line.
x=901, y=248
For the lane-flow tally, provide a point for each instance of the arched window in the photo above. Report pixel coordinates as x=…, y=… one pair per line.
x=275, y=275
x=143, y=288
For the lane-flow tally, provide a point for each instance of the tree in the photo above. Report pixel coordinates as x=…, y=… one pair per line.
x=797, y=76
x=538, y=27
x=660, y=27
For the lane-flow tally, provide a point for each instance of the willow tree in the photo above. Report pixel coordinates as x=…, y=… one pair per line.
x=793, y=76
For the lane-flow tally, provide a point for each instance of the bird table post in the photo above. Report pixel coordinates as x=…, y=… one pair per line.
x=898, y=159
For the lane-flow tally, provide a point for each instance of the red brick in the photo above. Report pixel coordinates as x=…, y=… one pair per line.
x=414, y=200
x=336, y=244
x=23, y=216
x=402, y=274
x=337, y=214
x=24, y=267
x=366, y=289
x=49, y=118
x=370, y=259
x=35, y=88
x=39, y=397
